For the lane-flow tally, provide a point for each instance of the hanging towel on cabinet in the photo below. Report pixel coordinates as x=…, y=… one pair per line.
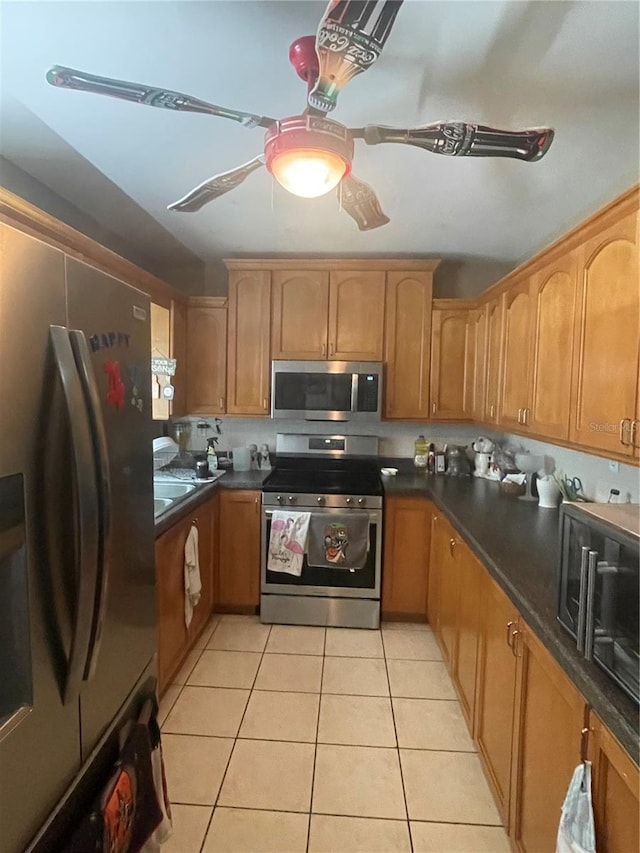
x=288, y=541
x=192, y=582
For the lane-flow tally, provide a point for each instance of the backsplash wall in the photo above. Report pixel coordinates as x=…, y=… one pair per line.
x=397, y=440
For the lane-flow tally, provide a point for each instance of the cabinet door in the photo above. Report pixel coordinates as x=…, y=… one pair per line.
x=300, y=314
x=553, y=303
x=493, y=355
x=172, y=631
x=356, y=315
x=248, y=359
x=549, y=717
x=608, y=338
x=207, y=358
x=450, y=346
x=203, y=520
x=438, y=542
x=238, y=587
x=160, y=348
x=407, y=344
x=465, y=663
x=616, y=795
x=405, y=572
x=514, y=381
x=449, y=589
x=478, y=362
x=496, y=690
x=178, y=347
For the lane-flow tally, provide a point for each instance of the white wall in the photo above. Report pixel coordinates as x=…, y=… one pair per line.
x=396, y=440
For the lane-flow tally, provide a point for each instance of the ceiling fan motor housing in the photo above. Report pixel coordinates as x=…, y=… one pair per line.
x=308, y=133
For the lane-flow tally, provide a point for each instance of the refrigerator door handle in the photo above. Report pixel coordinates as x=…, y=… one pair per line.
x=101, y=456
x=86, y=520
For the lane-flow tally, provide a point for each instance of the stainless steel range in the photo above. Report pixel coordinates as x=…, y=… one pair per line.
x=336, y=480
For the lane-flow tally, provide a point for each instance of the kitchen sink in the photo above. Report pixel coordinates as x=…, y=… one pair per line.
x=160, y=504
x=171, y=490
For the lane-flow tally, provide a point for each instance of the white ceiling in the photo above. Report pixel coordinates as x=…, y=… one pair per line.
x=570, y=65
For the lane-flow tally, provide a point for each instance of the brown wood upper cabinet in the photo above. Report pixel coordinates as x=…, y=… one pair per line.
x=516, y=334
x=452, y=361
x=607, y=335
x=178, y=347
x=493, y=353
x=407, y=343
x=477, y=322
x=553, y=304
x=248, y=350
x=207, y=355
x=320, y=314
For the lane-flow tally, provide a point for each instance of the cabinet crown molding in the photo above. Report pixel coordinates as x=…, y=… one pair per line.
x=407, y=265
x=208, y=302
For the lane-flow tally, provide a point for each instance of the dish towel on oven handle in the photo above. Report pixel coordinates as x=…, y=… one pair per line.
x=339, y=540
x=288, y=541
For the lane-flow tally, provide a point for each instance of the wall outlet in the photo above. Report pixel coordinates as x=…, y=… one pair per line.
x=614, y=466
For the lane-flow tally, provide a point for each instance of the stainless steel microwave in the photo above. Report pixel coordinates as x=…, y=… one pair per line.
x=327, y=390
x=599, y=586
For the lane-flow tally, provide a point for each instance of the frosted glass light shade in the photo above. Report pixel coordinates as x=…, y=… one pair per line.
x=309, y=173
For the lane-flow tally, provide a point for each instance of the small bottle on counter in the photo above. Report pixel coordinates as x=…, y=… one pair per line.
x=441, y=462
x=431, y=460
x=420, y=452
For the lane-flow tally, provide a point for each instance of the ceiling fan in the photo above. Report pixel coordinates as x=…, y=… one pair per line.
x=310, y=154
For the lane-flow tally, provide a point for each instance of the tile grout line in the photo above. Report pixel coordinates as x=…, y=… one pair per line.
x=395, y=729
x=235, y=740
x=315, y=746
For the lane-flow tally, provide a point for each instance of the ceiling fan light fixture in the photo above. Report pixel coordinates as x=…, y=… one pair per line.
x=308, y=155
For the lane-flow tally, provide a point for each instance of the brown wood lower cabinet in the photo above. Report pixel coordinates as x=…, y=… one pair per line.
x=405, y=577
x=174, y=640
x=616, y=798
x=464, y=669
x=238, y=576
x=448, y=588
x=496, y=690
x=549, y=716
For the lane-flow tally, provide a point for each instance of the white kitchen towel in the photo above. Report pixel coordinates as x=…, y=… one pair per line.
x=339, y=540
x=192, y=582
x=577, y=833
x=288, y=541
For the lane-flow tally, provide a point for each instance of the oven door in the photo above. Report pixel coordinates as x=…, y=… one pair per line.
x=322, y=581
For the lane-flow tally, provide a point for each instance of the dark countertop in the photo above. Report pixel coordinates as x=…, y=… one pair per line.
x=518, y=543
x=230, y=480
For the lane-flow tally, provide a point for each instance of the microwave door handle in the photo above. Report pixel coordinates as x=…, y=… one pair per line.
x=354, y=393
x=86, y=521
x=591, y=596
x=101, y=455
x=582, y=604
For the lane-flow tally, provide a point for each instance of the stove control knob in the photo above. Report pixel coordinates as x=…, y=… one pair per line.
x=279, y=498
x=349, y=501
x=320, y=500
x=362, y=501
x=291, y=499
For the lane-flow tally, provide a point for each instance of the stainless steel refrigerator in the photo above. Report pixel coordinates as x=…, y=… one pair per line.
x=77, y=594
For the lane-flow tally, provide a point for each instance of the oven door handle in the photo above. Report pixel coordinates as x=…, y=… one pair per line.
x=374, y=514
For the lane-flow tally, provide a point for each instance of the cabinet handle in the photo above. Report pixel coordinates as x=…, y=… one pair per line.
x=257, y=504
x=221, y=403
x=623, y=423
x=324, y=350
x=634, y=429
x=265, y=404
x=526, y=415
x=520, y=416
x=452, y=545
x=433, y=408
x=331, y=349
x=509, y=626
x=514, y=642
x=492, y=410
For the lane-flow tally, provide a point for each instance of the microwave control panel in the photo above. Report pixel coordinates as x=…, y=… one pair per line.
x=367, y=392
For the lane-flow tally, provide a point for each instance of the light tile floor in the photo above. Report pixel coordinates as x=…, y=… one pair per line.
x=282, y=739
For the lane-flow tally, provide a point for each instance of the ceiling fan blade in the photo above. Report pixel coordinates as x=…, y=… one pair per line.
x=459, y=139
x=70, y=78
x=215, y=187
x=350, y=38
x=361, y=203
